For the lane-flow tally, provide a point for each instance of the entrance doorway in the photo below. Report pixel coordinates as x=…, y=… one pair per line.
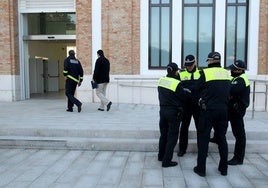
x=47, y=36
x=46, y=60
x=44, y=75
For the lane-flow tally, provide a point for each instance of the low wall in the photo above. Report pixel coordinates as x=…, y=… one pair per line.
x=10, y=88
x=143, y=90
x=123, y=89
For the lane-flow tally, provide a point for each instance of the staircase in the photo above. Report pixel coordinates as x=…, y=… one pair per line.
x=127, y=127
x=117, y=139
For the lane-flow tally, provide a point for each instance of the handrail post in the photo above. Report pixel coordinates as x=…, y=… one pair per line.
x=253, y=99
x=117, y=92
x=266, y=90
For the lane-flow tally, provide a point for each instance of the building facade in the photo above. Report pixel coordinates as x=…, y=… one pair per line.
x=138, y=36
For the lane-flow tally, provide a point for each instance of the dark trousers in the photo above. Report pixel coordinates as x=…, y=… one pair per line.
x=219, y=121
x=169, y=125
x=238, y=129
x=188, y=112
x=70, y=87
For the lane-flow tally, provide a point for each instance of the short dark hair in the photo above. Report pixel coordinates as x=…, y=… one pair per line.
x=100, y=52
x=71, y=52
x=172, y=68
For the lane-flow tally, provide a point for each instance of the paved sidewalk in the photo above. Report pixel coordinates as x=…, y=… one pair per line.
x=36, y=168
x=51, y=113
x=106, y=169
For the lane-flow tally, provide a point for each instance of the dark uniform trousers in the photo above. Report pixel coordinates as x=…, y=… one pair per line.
x=238, y=129
x=218, y=120
x=70, y=87
x=169, y=125
x=188, y=111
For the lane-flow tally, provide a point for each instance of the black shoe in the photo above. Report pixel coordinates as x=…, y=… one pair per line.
x=69, y=110
x=109, y=106
x=169, y=164
x=213, y=140
x=223, y=172
x=234, y=161
x=79, y=107
x=181, y=153
x=160, y=159
x=202, y=174
x=100, y=109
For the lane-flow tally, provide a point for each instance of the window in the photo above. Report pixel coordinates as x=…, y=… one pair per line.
x=51, y=23
x=236, y=31
x=198, y=29
x=159, y=33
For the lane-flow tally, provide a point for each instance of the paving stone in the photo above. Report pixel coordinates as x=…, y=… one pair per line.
x=66, y=167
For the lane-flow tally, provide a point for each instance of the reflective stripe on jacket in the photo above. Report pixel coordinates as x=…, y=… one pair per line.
x=244, y=77
x=185, y=75
x=73, y=69
x=168, y=83
x=216, y=73
x=170, y=92
x=216, y=87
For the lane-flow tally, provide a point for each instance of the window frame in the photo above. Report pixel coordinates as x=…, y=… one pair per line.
x=197, y=5
x=161, y=64
x=237, y=5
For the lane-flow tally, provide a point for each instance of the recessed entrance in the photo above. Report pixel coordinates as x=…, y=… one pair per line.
x=46, y=66
x=47, y=37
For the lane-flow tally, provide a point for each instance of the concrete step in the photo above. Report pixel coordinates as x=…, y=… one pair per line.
x=80, y=132
x=112, y=144
x=112, y=133
x=129, y=127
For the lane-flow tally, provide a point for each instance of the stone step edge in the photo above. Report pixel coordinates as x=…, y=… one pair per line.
x=89, y=133
x=112, y=144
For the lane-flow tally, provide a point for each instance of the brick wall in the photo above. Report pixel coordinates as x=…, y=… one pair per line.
x=9, y=53
x=84, y=33
x=263, y=38
x=121, y=35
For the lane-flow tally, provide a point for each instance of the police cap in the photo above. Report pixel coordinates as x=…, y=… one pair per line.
x=216, y=56
x=189, y=60
x=237, y=65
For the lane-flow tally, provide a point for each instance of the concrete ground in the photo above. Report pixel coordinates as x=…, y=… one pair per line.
x=42, y=167
x=36, y=168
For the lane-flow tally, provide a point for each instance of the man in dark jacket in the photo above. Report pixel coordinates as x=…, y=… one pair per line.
x=102, y=77
x=214, y=86
x=239, y=101
x=171, y=96
x=73, y=74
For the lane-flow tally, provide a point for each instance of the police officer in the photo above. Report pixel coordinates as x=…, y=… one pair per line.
x=188, y=77
x=171, y=96
x=214, y=86
x=239, y=101
x=73, y=74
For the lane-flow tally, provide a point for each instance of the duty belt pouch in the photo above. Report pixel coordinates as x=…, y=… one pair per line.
x=180, y=113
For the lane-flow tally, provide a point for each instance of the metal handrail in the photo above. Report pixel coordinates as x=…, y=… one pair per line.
x=253, y=92
x=132, y=79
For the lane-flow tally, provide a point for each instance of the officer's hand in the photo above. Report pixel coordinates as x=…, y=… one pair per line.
x=180, y=114
x=79, y=84
x=236, y=107
x=187, y=90
x=202, y=104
